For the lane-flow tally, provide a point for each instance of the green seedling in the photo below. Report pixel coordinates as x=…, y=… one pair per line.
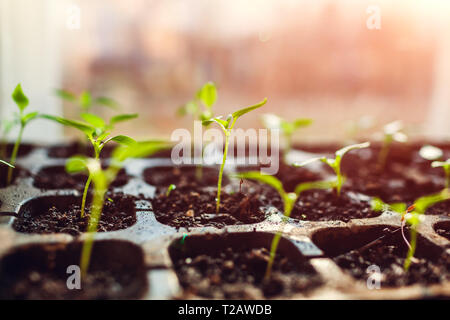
x=85, y=101
x=411, y=215
x=287, y=128
x=206, y=96
x=97, y=132
x=23, y=119
x=200, y=108
x=170, y=189
x=335, y=163
x=226, y=126
x=446, y=166
x=289, y=200
x=391, y=132
x=102, y=178
x=433, y=153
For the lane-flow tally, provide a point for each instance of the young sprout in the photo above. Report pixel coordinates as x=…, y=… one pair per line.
x=411, y=215
x=391, y=132
x=287, y=128
x=226, y=126
x=335, y=163
x=23, y=119
x=85, y=101
x=97, y=132
x=170, y=189
x=206, y=96
x=289, y=200
x=433, y=153
x=102, y=178
x=446, y=166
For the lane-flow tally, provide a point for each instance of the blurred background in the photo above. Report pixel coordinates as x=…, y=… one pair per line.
x=351, y=65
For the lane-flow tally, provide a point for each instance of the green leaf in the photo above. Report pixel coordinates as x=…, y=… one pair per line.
x=19, y=97
x=7, y=164
x=123, y=140
x=302, y=122
x=313, y=185
x=76, y=164
x=264, y=178
x=94, y=120
x=107, y=102
x=241, y=112
x=341, y=152
x=208, y=94
x=85, y=100
x=138, y=150
x=122, y=118
x=399, y=207
x=84, y=127
x=423, y=203
x=30, y=116
x=66, y=95
x=378, y=205
x=222, y=123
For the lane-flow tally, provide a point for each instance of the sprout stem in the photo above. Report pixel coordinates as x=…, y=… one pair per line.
x=14, y=154
x=224, y=159
x=86, y=188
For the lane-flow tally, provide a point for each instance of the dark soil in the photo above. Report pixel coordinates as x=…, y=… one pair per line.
x=188, y=207
x=75, y=148
x=63, y=215
x=183, y=176
x=17, y=172
x=39, y=272
x=24, y=149
x=290, y=176
x=405, y=177
x=237, y=272
x=443, y=229
x=324, y=205
x=441, y=208
x=430, y=263
x=56, y=177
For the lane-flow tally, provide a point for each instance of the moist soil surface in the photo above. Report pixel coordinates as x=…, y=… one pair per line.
x=443, y=229
x=441, y=208
x=389, y=254
x=290, y=176
x=120, y=213
x=40, y=272
x=56, y=177
x=75, y=148
x=18, y=172
x=238, y=273
x=324, y=205
x=405, y=177
x=183, y=176
x=196, y=207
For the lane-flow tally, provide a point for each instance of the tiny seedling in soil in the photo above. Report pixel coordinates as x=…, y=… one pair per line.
x=97, y=131
x=289, y=200
x=24, y=119
x=6, y=164
x=226, y=126
x=206, y=96
x=102, y=178
x=431, y=153
x=411, y=215
x=335, y=163
x=169, y=189
x=287, y=128
x=391, y=132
